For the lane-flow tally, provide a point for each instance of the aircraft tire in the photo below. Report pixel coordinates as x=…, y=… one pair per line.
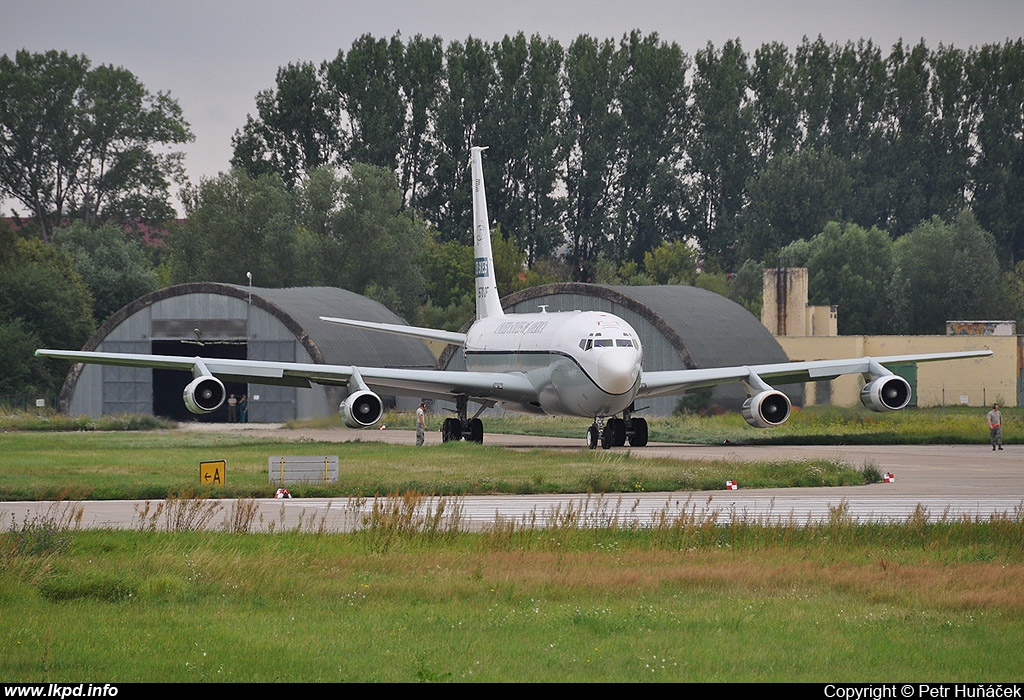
x=476, y=431
x=617, y=428
x=639, y=436
x=450, y=430
x=592, y=437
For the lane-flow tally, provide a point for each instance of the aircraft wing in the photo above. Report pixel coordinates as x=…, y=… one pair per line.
x=666, y=383
x=485, y=386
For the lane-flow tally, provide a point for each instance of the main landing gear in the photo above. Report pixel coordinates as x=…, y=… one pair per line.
x=463, y=427
x=615, y=432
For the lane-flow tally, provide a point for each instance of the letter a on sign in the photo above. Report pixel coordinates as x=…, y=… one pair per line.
x=213, y=472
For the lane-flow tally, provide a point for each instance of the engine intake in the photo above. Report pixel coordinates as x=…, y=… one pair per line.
x=203, y=395
x=766, y=409
x=362, y=409
x=888, y=393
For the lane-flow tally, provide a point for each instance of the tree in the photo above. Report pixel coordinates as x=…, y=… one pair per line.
x=952, y=272
x=851, y=267
x=793, y=197
x=908, y=139
x=39, y=154
x=237, y=224
x=43, y=303
x=111, y=263
x=954, y=120
x=775, y=112
x=295, y=128
x=747, y=287
x=450, y=292
x=525, y=104
x=996, y=82
x=369, y=244
x=420, y=78
x=671, y=263
x=721, y=150
x=1013, y=286
x=366, y=84
x=85, y=144
x=463, y=106
x=590, y=141
x=647, y=191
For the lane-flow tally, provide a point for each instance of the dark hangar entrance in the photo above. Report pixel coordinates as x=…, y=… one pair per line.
x=168, y=384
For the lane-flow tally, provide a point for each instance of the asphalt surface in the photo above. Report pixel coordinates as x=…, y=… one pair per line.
x=931, y=481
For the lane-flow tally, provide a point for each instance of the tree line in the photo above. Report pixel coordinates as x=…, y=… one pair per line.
x=612, y=147
x=895, y=177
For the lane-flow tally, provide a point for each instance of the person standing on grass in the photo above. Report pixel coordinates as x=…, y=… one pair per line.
x=995, y=427
x=421, y=423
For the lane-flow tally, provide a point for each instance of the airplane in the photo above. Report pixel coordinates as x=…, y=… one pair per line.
x=579, y=363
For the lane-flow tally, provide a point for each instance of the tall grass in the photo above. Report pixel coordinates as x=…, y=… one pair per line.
x=48, y=420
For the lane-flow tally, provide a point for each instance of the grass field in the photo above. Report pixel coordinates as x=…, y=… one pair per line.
x=687, y=601
x=121, y=465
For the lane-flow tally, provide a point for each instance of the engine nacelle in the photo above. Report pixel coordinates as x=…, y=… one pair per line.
x=766, y=409
x=362, y=409
x=888, y=393
x=204, y=395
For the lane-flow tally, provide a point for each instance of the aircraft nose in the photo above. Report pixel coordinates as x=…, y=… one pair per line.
x=618, y=369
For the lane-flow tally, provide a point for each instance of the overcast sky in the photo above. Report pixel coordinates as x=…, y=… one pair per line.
x=213, y=56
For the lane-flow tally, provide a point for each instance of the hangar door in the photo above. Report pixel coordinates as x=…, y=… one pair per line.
x=224, y=338
x=168, y=384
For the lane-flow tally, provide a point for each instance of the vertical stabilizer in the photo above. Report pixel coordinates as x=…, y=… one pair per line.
x=487, y=301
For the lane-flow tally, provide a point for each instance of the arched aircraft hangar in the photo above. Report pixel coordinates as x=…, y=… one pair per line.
x=222, y=320
x=680, y=328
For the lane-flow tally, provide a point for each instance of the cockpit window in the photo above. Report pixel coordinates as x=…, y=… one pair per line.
x=588, y=343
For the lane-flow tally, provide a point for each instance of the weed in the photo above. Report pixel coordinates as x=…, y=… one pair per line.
x=41, y=534
x=411, y=513
x=871, y=473
x=184, y=511
x=244, y=512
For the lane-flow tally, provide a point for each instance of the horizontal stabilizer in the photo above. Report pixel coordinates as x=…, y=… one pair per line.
x=398, y=329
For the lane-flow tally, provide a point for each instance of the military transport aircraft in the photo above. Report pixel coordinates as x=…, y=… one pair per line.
x=582, y=363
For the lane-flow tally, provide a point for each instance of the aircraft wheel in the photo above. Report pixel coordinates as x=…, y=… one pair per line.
x=608, y=437
x=617, y=426
x=592, y=437
x=639, y=436
x=450, y=430
x=476, y=431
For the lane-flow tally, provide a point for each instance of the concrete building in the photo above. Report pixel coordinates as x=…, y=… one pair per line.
x=223, y=320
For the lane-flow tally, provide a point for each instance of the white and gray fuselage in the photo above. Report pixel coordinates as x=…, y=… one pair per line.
x=582, y=363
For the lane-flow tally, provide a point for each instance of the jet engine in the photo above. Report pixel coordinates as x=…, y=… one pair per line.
x=766, y=409
x=888, y=393
x=362, y=409
x=204, y=394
